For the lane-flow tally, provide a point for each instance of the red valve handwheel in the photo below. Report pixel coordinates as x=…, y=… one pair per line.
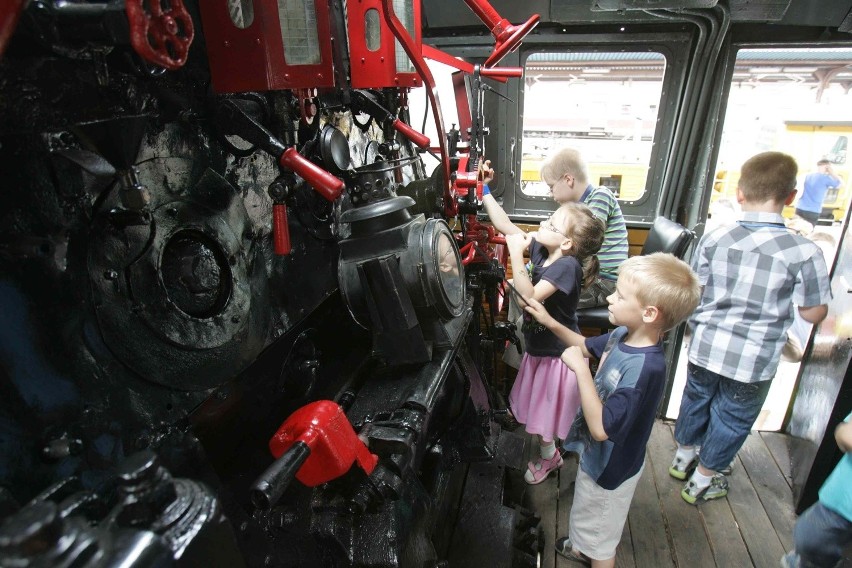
x=160, y=36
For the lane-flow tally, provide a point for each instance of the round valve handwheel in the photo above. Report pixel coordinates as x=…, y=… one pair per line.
x=161, y=36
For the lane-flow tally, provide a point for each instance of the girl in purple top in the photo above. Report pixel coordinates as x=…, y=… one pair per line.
x=562, y=262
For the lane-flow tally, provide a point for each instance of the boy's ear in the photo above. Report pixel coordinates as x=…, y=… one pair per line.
x=651, y=314
x=791, y=197
x=740, y=196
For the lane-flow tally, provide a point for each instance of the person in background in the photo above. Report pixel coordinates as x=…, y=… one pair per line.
x=825, y=528
x=817, y=184
x=653, y=294
x=544, y=396
x=752, y=274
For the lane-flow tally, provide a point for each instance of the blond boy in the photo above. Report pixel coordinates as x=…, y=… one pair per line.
x=653, y=294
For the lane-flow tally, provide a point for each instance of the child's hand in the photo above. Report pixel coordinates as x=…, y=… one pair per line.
x=517, y=243
x=487, y=172
x=573, y=358
x=536, y=309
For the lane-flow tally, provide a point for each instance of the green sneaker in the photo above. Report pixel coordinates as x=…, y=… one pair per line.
x=681, y=469
x=718, y=488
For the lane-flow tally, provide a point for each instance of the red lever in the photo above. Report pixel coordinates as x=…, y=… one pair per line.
x=280, y=230
x=323, y=182
x=417, y=137
x=501, y=73
x=332, y=441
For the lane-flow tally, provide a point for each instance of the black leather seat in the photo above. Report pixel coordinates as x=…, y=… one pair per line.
x=665, y=236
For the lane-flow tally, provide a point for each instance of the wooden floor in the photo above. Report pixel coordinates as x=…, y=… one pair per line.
x=752, y=527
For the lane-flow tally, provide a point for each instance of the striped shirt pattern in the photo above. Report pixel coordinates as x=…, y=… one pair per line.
x=614, y=249
x=752, y=273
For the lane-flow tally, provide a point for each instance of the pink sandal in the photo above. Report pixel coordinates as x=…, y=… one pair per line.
x=538, y=470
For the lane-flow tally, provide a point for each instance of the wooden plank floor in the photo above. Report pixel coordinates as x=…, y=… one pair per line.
x=752, y=527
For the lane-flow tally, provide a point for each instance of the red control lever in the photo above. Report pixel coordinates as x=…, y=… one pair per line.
x=417, y=137
x=280, y=230
x=322, y=181
x=334, y=447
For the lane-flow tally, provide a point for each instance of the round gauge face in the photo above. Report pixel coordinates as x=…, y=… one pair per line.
x=450, y=269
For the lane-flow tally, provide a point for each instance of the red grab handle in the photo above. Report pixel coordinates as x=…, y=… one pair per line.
x=280, y=230
x=322, y=181
x=334, y=445
x=417, y=137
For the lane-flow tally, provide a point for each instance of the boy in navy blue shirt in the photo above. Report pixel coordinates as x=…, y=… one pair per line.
x=619, y=405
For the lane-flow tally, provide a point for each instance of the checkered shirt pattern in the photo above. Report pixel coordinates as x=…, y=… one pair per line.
x=752, y=274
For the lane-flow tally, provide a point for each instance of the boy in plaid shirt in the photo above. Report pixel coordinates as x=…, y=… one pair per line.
x=752, y=274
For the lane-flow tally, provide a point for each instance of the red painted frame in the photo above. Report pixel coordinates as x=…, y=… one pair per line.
x=253, y=59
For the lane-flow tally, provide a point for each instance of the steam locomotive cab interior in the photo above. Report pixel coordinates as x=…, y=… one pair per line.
x=253, y=312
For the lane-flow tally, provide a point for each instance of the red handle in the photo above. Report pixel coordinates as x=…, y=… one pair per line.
x=280, y=230
x=418, y=138
x=501, y=73
x=322, y=181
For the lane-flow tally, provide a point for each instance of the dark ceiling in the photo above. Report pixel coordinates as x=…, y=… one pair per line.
x=813, y=13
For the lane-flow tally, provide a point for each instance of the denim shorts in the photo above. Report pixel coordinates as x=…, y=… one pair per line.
x=717, y=414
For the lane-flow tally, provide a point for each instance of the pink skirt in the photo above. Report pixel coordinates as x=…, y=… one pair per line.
x=545, y=397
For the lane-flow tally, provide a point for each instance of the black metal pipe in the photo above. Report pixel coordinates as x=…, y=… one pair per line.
x=272, y=483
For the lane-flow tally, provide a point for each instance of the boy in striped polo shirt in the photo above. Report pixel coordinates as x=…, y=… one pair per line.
x=567, y=176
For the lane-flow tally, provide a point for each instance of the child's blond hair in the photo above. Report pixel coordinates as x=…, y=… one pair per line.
x=768, y=176
x=664, y=281
x=565, y=161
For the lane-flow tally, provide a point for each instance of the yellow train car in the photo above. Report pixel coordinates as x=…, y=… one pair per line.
x=626, y=181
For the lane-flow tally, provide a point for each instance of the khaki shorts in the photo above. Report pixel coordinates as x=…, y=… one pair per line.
x=598, y=515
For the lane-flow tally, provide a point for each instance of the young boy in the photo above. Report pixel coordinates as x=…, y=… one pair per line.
x=618, y=407
x=825, y=529
x=751, y=273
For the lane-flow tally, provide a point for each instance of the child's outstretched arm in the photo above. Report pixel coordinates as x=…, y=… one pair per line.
x=495, y=213
x=565, y=335
x=589, y=400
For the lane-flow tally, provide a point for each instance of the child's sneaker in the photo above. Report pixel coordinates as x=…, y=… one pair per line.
x=718, y=488
x=728, y=469
x=538, y=470
x=680, y=468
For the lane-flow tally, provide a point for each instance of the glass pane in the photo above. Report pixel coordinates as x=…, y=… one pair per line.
x=405, y=12
x=450, y=269
x=299, y=32
x=241, y=12
x=603, y=104
x=372, y=30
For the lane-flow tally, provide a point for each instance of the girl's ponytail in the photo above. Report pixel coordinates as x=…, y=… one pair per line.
x=591, y=267
x=587, y=235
